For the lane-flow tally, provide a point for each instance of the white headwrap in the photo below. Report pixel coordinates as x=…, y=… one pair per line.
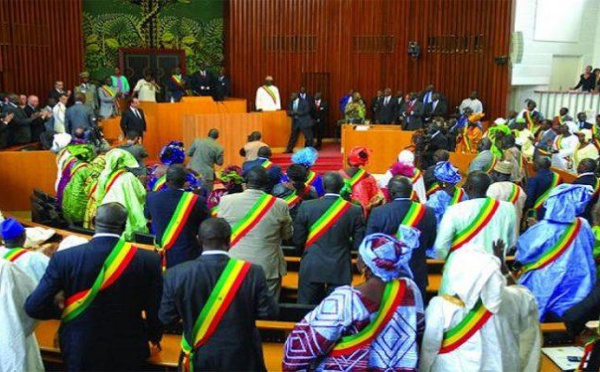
x=406, y=157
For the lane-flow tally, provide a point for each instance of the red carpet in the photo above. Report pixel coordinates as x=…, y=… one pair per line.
x=330, y=159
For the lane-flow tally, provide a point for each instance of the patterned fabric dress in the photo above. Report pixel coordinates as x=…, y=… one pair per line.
x=345, y=312
x=366, y=192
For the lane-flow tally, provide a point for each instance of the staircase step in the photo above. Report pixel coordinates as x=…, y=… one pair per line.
x=330, y=159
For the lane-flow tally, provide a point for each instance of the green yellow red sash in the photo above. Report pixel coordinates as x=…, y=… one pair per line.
x=540, y=201
x=413, y=195
x=557, y=249
x=312, y=176
x=116, y=262
x=267, y=164
x=458, y=196
x=390, y=301
x=489, y=207
x=109, y=92
x=327, y=220
x=252, y=218
x=492, y=165
x=530, y=123
x=160, y=183
x=294, y=198
x=214, y=210
x=414, y=215
x=182, y=213
x=466, y=140
x=111, y=180
x=77, y=167
x=270, y=93
x=435, y=187
x=466, y=328
x=177, y=80
x=558, y=141
x=358, y=176
x=595, y=136
x=14, y=253
x=68, y=165
x=216, y=306
x=515, y=192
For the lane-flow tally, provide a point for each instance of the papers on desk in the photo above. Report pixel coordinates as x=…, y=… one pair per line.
x=593, y=325
x=559, y=356
x=361, y=128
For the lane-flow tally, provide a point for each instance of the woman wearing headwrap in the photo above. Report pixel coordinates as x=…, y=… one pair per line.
x=556, y=253
x=470, y=135
x=355, y=110
x=447, y=176
x=117, y=185
x=229, y=182
x=66, y=160
x=75, y=197
x=359, y=182
x=171, y=153
x=585, y=149
x=405, y=167
x=308, y=157
x=296, y=189
x=503, y=331
x=374, y=326
x=495, y=133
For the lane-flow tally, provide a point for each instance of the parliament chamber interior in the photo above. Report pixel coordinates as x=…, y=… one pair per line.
x=294, y=185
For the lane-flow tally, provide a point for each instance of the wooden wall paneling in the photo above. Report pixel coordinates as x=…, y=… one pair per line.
x=258, y=43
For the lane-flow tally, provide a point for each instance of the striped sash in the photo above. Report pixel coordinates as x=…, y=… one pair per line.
x=457, y=197
x=435, y=187
x=252, y=218
x=466, y=328
x=515, y=192
x=160, y=183
x=327, y=220
x=270, y=93
x=539, y=203
x=14, y=253
x=489, y=207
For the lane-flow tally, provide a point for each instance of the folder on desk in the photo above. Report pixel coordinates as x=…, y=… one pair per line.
x=559, y=356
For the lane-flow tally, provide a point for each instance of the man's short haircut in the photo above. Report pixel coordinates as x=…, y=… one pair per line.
x=132, y=134
x=264, y=152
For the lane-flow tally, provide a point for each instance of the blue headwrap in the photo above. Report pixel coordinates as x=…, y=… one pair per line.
x=193, y=181
x=11, y=229
x=567, y=201
x=388, y=257
x=172, y=153
x=307, y=157
x=447, y=173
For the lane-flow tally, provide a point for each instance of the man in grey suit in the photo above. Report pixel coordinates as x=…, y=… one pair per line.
x=261, y=245
x=79, y=116
x=205, y=154
x=483, y=160
x=299, y=111
x=326, y=264
x=138, y=151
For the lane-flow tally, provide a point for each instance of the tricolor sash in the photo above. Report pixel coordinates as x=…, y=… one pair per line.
x=327, y=220
x=270, y=93
x=267, y=164
x=177, y=80
x=160, y=183
x=312, y=176
x=492, y=165
x=358, y=176
x=14, y=253
x=595, y=136
x=116, y=262
x=557, y=249
x=109, y=91
x=489, y=207
x=413, y=195
x=216, y=306
x=252, y=218
x=214, y=210
x=414, y=215
x=515, y=192
x=390, y=301
x=435, y=187
x=558, y=141
x=112, y=179
x=530, y=123
x=457, y=197
x=466, y=140
x=465, y=329
x=182, y=213
x=77, y=167
x=68, y=165
x=540, y=201
x=294, y=198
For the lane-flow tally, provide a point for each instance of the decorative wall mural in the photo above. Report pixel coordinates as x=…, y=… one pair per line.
x=196, y=26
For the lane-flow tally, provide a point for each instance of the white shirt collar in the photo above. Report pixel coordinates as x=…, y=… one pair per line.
x=105, y=235
x=586, y=174
x=332, y=194
x=401, y=198
x=214, y=252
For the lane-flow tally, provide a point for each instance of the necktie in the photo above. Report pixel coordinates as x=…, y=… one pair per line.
x=137, y=114
x=318, y=104
x=387, y=100
x=296, y=105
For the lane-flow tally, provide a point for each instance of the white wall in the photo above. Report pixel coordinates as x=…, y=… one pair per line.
x=535, y=70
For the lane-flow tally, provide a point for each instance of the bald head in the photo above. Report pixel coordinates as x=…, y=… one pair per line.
x=399, y=187
x=333, y=182
x=214, y=234
x=477, y=184
x=111, y=218
x=213, y=133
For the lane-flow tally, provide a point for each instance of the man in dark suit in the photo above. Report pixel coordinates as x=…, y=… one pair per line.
x=160, y=208
x=5, y=119
x=538, y=184
x=37, y=126
x=582, y=122
x=273, y=170
x=586, y=176
x=387, y=218
x=299, y=111
x=387, y=109
x=319, y=113
x=437, y=107
x=19, y=128
x=326, y=263
x=436, y=140
x=304, y=95
x=376, y=102
x=202, y=81
x=426, y=96
x=58, y=90
x=222, y=86
x=412, y=111
x=110, y=334
x=79, y=116
x=235, y=344
x=133, y=118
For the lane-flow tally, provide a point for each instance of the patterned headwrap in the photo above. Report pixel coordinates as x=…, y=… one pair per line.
x=359, y=156
x=388, y=257
x=231, y=176
x=307, y=157
x=567, y=201
x=476, y=117
x=402, y=169
x=193, y=181
x=172, y=153
x=446, y=172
